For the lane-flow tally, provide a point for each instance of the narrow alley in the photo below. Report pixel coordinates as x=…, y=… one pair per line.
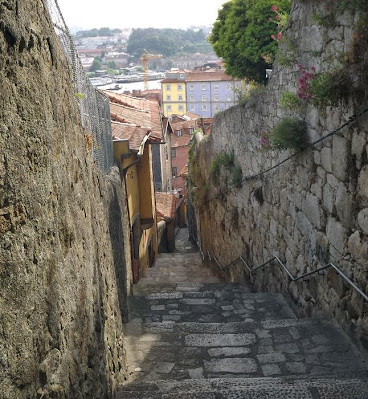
x=192, y=336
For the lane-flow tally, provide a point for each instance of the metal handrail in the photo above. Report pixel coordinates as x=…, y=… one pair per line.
x=284, y=267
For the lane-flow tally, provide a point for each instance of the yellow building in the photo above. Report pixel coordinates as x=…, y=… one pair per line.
x=132, y=152
x=174, y=93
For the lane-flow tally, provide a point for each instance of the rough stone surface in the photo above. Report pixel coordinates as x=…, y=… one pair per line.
x=63, y=272
x=309, y=211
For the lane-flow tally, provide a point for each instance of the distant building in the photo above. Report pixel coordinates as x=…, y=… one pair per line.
x=174, y=93
x=209, y=92
x=183, y=129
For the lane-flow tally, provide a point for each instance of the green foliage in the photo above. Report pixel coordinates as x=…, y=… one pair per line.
x=111, y=65
x=225, y=159
x=321, y=90
x=289, y=133
x=96, y=65
x=286, y=55
x=290, y=101
x=168, y=42
x=249, y=93
x=325, y=20
x=241, y=36
x=237, y=176
x=97, y=32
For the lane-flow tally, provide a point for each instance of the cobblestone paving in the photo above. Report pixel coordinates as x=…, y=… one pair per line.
x=216, y=340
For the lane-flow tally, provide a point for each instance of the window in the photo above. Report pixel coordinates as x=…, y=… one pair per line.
x=191, y=87
x=229, y=86
x=169, y=109
x=180, y=97
x=166, y=154
x=181, y=108
x=174, y=171
x=204, y=86
x=192, y=98
x=204, y=107
x=217, y=107
x=179, y=133
x=228, y=97
x=168, y=87
x=192, y=107
x=173, y=153
x=180, y=87
x=204, y=97
x=191, y=130
x=181, y=76
x=168, y=98
x=216, y=97
x=216, y=86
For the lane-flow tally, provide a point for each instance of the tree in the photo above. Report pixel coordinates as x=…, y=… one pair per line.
x=241, y=36
x=96, y=65
x=111, y=65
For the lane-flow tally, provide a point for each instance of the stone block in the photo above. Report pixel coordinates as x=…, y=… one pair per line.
x=228, y=351
x=271, y=358
x=296, y=367
x=340, y=153
x=358, y=247
x=311, y=209
x=363, y=182
x=270, y=370
x=344, y=206
x=326, y=159
x=328, y=198
x=231, y=365
x=196, y=374
x=363, y=220
x=336, y=234
x=304, y=225
x=216, y=340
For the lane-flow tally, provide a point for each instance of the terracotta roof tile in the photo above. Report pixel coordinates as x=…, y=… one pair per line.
x=167, y=204
x=139, y=111
x=185, y=126
x=134, y=134
x=210, y=76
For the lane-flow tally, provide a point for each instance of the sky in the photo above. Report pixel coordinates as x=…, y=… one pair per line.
x=89, y=14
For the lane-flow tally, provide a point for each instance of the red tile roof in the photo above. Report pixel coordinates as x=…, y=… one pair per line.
x=177, y=123
x=166, y=205
x=210, y=76
x=138, y=111
x=133, y=133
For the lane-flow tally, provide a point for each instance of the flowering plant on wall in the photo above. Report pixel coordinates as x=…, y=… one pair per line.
x=281, y=19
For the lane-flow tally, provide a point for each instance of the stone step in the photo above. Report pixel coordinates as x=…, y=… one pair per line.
x=239, y=350
x=251, y=388
x=142, y=289
x=211, y=303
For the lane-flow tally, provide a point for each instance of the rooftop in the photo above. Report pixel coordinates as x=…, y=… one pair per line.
x=166, y=205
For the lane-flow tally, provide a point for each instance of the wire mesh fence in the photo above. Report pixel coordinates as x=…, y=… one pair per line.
x=93, y=104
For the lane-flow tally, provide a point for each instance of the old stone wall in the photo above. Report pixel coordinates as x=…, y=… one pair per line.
x=313, y=209
x=64, y=262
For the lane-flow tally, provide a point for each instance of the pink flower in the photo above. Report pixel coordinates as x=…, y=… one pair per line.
x=279, y=36
x=277, y=17
x=270, y=19
x=274, y=8
x=273, y=37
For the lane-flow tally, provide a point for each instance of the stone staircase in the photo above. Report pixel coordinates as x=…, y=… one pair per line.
x=191, y=336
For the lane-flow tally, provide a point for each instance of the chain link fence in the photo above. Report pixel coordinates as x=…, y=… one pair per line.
x=93, y=104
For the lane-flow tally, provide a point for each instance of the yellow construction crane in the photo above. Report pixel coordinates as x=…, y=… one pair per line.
x=145, y=58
